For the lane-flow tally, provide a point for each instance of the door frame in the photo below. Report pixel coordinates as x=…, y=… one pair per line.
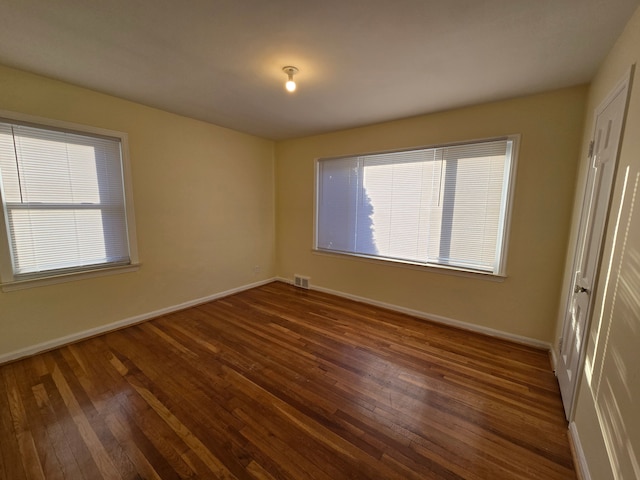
x=622, y=85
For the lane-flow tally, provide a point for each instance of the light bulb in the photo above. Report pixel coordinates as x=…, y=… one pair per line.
x=291, y=84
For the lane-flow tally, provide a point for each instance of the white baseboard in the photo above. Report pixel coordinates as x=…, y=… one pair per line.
x=554, y=359
x=578, y=453
x=75, y=337
x=436, y=318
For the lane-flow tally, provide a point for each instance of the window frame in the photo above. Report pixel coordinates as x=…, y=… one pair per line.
x=9, y=281
x=503, y=239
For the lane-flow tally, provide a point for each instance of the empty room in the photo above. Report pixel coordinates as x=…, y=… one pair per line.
x=319, y=240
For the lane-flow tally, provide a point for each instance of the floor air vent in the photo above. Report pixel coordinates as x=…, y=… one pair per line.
x=300, y=281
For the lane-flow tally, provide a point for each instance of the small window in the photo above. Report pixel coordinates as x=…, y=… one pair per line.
x=444, y=206
x=64, y=203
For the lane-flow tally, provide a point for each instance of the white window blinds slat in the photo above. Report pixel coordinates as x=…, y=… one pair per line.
x=63, y=198
x=433, y=206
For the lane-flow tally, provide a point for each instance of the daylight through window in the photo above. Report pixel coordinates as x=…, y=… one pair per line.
x=63, y=200
x=445, y=206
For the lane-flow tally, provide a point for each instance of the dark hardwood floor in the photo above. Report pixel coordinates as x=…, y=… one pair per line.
x=282, y=383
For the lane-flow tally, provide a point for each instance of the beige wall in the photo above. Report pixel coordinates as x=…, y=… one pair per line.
x=204, y=204
x=526, y=302
x=607, y=415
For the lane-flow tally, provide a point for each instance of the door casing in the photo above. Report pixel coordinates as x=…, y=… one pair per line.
x=572, y=343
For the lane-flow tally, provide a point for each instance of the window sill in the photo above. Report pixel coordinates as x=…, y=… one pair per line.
x=439, y=269
x=67, y=277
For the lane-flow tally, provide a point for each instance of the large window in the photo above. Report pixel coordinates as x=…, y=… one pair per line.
x=63, y=199
x=444, y=206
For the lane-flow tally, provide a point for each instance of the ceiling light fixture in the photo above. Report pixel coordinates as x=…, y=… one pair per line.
x=290, y=71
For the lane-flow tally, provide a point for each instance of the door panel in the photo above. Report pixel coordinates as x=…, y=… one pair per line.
x=595, y=208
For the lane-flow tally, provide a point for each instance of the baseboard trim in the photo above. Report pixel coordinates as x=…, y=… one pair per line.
x=76, y=337
x=532, y=342
x=579, y=458
x=554, y=359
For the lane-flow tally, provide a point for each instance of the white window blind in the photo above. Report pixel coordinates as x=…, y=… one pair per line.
x=63, y=199
x=441, y=206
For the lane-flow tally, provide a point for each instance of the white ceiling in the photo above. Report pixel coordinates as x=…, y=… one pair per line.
x=360, y=61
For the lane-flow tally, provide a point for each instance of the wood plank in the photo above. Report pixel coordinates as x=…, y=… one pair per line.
x=105, y=463
x=26, y=443
x=282, y=383
x=68, y=430
x=12, y=461
x=57, y=442
x=28, y=388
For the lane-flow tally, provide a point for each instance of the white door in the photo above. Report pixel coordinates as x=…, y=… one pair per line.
x=595, y=207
